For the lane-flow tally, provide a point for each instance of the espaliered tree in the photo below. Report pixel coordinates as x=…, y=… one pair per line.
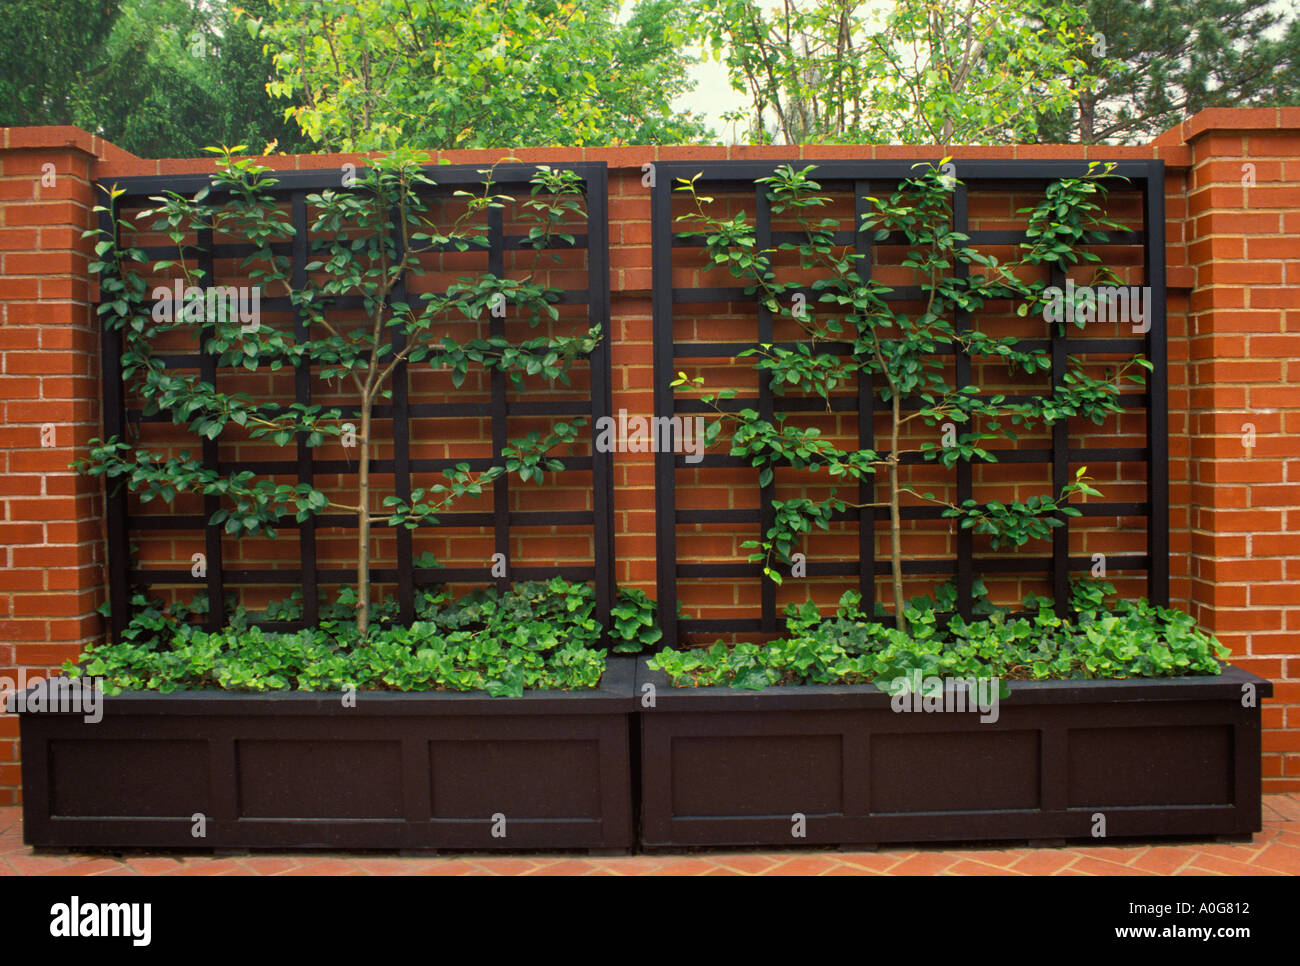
x=899, y=349
x=370, y=239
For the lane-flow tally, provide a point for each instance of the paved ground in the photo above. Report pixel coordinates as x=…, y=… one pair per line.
x=1274, y=851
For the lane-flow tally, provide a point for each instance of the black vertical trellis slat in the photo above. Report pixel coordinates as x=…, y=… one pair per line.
x=500, y=430
x=961, y=378
x=402, y=445
x=602, y=467
x=115, y=496
x=661, y=301
x=211, y=504
x=866, y=419
x=302, y=394
x=740, y=176
x=1153, y=249
x=766, y=408
x=1060, y=462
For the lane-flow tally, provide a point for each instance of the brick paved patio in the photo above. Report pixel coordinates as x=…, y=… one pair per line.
x=1274, y=851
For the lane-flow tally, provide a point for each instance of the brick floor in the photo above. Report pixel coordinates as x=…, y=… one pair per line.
x=1274, y=851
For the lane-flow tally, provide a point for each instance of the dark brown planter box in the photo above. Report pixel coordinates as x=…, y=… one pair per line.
x=1154, y=757
x=299, y=770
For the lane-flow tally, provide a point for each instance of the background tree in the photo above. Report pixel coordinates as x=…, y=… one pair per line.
x=1158, y=62
x=46, y=52
x=160, y=78
x=180, y=74
x=919, y=71
x=374, y=74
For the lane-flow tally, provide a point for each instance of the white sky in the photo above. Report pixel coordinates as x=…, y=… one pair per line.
x=713, y=96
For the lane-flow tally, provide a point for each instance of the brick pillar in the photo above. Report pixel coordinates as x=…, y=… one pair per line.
x=632, y=361
x=51, y=573
x=1243, y=238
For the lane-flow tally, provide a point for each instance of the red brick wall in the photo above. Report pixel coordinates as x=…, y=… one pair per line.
x=1234, y=328
x=1243, y=371
x=51, y=571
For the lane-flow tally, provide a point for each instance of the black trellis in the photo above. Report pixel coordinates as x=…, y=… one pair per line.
x=860, y=177
x=294, y=186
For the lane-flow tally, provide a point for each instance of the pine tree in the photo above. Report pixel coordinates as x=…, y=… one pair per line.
x=1161, y=61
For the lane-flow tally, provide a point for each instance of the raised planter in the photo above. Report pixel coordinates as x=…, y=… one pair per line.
x=300, y=770
x=1155, y=757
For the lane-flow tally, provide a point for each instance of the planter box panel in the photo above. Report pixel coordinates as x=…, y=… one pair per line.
x=319, y=779
x=143, y=777
x=758, y=775
x=1173, y=765
x=954, y=771
x=1155, y=758
x=398, y=771
x=477, y=778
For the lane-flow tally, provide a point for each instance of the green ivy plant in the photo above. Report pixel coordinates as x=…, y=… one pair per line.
x=636, y=622
x=898, y=350
x=1131, y=639
x=535, y=635
x=371, y=238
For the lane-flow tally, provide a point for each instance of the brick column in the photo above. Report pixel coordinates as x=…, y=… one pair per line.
x=632, y=361
x=51, y=573
x=1243, y=237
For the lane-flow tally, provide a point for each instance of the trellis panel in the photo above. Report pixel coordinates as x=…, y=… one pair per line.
x=839, y=178
x=307, y=465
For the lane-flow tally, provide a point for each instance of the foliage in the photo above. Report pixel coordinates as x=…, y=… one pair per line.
x=899, y=350
x=372, y=238
x=1132, y=639
x=44, y=49
x=376, y=74
x=1158, y=62
x=910, y=72
x=536, y=635
x=636, y=622
x=160, y=78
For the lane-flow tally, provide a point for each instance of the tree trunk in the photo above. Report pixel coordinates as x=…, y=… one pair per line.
x=896, y=522
x=363, y=521
x=1087, y=118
